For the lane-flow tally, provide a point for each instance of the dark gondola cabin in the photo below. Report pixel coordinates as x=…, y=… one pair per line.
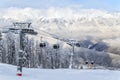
x=56, y=46
x=92, y=62
x=86, y=62
x=42, y=44
x=77, y=44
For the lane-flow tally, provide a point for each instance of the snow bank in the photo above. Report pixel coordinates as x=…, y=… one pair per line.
x=8, y=72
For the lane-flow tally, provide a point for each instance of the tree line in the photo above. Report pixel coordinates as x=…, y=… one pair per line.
x=36, y=57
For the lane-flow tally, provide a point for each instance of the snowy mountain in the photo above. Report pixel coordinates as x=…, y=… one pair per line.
x=75, y=23
x=79, y=24
x=94, y=29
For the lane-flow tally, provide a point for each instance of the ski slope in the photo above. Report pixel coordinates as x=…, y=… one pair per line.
x=8, y=72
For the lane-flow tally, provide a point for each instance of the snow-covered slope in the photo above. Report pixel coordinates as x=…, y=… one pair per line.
x=8, y=72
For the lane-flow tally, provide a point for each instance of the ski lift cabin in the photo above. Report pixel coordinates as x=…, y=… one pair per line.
x=42, y=44
x=86, y=62
x=56, y=46
x=92, y=62
x=77, y=44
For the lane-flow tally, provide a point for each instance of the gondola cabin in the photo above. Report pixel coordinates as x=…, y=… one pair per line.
x=92, y=62
x=77, y=44
x=86, y=62
x=56, y=46
x=42, y=44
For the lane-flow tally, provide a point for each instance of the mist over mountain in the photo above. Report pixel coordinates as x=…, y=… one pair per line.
x=73, y=23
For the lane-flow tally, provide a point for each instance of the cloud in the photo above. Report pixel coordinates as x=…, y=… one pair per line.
x=52, y=12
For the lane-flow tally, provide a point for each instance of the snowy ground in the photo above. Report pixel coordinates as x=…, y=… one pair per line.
x=8, y=72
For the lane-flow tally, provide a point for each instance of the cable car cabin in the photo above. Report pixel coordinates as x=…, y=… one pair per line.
x=42, y=44
x=92, y=62
x=77, y=44
x=56, y=46
x=86, y=62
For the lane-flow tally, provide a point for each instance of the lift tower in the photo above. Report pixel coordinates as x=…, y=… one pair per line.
x=22, y=29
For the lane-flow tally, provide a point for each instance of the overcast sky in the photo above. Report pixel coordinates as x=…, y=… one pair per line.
x=110, y=5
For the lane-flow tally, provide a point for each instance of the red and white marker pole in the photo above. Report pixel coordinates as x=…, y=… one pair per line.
x=19, y=68
x=19, y=71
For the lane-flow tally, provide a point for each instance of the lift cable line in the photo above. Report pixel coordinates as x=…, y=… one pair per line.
x=39, y=31
x=70, y=42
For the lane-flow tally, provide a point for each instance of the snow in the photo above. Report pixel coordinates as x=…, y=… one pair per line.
x=8, y=72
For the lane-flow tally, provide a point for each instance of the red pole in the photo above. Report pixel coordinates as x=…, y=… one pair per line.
x=19, y=72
